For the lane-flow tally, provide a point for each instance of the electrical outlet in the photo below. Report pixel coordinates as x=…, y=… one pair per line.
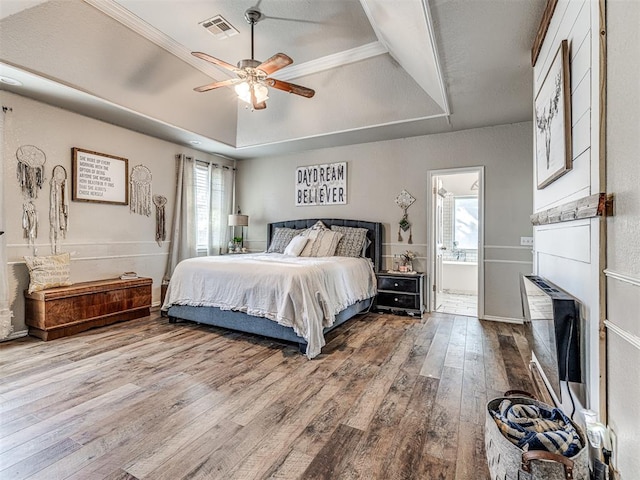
x=526, y=241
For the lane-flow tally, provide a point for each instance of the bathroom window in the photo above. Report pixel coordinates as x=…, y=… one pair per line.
x=466, y=222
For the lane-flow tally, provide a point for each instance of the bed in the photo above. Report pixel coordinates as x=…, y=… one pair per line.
x=199, y=302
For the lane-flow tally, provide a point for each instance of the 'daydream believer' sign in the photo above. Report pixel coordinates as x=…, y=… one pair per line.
x=321, y=184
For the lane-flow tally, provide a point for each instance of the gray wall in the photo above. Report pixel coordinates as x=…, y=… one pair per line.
x=623, y=232
x=104, y=240
x=377, y=173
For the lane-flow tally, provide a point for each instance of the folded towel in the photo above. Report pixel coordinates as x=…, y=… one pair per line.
x=533, y=427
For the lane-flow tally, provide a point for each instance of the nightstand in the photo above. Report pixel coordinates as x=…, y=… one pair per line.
x=402, y=292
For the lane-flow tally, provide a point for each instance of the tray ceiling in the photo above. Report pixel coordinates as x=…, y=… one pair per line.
x=380, y=69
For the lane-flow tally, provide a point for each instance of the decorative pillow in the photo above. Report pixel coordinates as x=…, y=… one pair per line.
x=365, y=245
x=318, y=226
x=281, y=238
x=322, y=243
x=296, y=245
x=48, y=271
x=353, y=241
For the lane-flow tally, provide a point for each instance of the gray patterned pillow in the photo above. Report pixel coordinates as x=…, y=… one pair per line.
x=281, y=238
x=352, y=241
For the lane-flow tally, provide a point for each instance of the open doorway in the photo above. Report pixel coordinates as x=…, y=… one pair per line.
x=456, y=219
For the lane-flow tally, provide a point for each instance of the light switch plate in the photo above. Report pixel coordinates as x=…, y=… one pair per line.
x=526, y=241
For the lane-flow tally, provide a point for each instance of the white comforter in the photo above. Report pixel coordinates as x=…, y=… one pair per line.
x=304, y=293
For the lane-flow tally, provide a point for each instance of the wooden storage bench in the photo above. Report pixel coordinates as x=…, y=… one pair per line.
x=63, y=311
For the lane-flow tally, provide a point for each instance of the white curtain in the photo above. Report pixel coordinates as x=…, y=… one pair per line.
x=184, y=237
x=5, y=312
x=222, y=180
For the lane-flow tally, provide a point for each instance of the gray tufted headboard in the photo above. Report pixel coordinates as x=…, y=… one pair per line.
x=374, y=234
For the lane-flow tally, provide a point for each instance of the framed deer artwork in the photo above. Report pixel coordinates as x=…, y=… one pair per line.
x=552, y=122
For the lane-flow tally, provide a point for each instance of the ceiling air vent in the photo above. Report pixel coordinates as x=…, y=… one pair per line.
x=219, y=27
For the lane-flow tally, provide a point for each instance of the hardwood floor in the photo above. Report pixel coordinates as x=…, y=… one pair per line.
x=390, y=397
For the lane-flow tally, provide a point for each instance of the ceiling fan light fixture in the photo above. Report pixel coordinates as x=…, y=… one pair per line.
x=253, y=80
x=243, y=90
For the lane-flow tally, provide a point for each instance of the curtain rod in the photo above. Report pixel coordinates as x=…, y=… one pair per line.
x=209, y=162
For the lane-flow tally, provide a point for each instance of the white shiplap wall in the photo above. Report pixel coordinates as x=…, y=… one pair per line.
x=570, y=254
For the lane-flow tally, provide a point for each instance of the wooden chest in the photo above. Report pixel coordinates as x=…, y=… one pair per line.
x=62, y=311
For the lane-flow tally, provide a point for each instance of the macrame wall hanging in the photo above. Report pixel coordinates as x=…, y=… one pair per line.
x=30, y=172
x=30, y=222
x=140, y=190
x=58, y=207
x=161, y=234
x=404, y=200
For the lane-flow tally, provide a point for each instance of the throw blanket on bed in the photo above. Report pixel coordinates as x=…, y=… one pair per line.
x=531, y=427
x=304, y=293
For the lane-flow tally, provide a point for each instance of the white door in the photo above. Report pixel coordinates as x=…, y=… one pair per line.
x=440, y=247
x=456, y=241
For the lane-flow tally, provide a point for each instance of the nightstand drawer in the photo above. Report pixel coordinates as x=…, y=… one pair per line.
x=399, y=284
x=399, y=300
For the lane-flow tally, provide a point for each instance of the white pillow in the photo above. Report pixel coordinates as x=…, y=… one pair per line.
x=295, y=246
x=322, y=243
x=48, y=271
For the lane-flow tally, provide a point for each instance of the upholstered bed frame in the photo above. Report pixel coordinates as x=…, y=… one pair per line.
x=242, y=322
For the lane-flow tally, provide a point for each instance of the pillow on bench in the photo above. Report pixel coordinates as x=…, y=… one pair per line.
x=49, y=271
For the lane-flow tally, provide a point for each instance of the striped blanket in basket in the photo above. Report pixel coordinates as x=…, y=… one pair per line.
x=533, y=427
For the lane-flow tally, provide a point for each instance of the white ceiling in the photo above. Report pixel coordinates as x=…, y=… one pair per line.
x=381, y=69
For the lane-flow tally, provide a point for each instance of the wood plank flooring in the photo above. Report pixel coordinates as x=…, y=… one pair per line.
x=390, y=397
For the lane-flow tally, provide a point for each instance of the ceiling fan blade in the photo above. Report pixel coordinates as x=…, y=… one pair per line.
x=275, y=63
x=290, y=87
x=211, y=86
x=290, y=19
x=214, y=60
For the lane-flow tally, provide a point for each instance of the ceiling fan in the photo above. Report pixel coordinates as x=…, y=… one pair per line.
x=253, y=76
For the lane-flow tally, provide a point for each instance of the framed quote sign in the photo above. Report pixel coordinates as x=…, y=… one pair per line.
x=321, y=184
x=98, y=177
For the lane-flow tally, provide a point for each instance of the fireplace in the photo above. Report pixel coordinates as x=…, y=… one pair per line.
x=552, y=328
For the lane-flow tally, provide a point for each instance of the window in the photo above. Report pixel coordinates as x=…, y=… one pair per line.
x=202, y=206
x=212, y=207
x=466, y=222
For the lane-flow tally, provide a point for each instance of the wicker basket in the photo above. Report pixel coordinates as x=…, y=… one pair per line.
x=509, y=462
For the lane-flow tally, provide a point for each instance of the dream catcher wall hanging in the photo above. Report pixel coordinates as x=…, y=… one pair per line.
x=140, y=190
x=29, y=222
x=30, y=172
x=404, y=201
x=58, y=206
x=161, y=234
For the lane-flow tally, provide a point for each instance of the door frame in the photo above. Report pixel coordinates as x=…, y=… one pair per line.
x=431, y=219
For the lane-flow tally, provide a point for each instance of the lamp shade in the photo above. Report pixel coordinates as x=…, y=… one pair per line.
x=238, y=220
x=243, y=90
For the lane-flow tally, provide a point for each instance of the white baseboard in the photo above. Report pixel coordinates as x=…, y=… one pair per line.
x=502, y=319
x=14, y=335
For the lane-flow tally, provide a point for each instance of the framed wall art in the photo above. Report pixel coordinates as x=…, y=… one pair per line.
x=98, y=177
x=552, y=121
x=321, y=184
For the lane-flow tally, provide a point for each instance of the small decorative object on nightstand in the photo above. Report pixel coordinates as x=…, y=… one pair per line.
x=401, y=292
